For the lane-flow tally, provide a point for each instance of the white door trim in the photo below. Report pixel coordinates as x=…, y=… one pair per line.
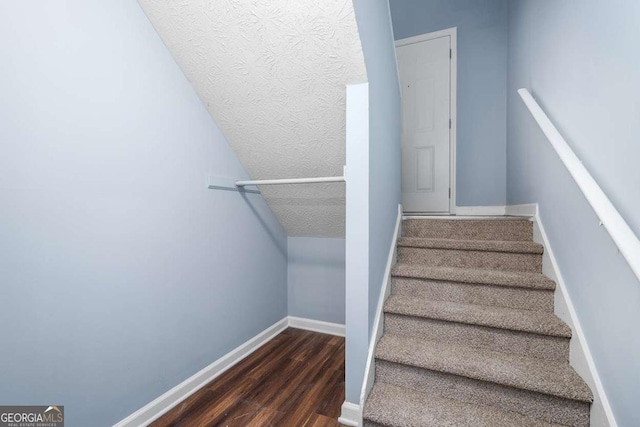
x=453, y=33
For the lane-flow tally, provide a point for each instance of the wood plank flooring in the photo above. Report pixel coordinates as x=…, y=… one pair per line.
x=295, y=380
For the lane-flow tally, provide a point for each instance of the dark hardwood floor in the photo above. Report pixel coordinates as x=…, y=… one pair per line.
x=296, y=379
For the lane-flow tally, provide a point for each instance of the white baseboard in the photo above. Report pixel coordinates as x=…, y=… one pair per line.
x=580, y=356
x=317, y=326
x=160, y=406
x=529, y=210
x=351, y=414
x=163, y=404
x=480, y=210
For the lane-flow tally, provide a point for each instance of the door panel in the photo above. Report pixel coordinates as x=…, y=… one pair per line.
x=426, y=86
x=425, y=168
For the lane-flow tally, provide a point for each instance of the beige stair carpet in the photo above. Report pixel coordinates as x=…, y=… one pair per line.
x=470, y=338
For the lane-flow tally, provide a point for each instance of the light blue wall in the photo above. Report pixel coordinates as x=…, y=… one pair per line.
x=121, y=274
x=482, y=76
x=376, y=35
x=586, y=76
x=316, y=278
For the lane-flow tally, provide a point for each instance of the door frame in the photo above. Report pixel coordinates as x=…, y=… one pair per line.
x=453, y=34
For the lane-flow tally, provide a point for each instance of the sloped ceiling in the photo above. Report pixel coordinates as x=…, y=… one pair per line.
x=272, y=73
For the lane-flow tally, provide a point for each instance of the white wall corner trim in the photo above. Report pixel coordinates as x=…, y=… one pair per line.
x=160, y=406
x=480, y=210
x=351, y=414
x=580, y=354
x=317, y=326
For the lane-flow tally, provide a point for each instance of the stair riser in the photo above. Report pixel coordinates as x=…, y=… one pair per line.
x=468, y=229
x=505, y=261
x=534, y=405
x=499, y=296
x=505, y=341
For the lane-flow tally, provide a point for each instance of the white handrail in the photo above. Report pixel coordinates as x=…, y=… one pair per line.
x=610, y=218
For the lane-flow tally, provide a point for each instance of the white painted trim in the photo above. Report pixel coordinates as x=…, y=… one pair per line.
x=378, y=322
x=428, y=36
x=453, y=106
x=357, y=235
x=458, y=217
x=480, y=210
x=454, y=119
x=580, y=354
x=160, y=406
x=622, y=235
x=317, y=326
x=528, y=210
x=351, y=414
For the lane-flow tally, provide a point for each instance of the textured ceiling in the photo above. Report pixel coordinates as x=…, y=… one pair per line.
x=272, y=74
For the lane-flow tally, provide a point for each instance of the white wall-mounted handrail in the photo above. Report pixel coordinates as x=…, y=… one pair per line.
x=294, y=180
x=610, y=218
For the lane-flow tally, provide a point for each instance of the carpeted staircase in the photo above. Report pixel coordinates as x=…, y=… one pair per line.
x=470, y=338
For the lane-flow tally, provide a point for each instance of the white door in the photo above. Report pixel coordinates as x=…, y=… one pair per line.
x=425, y=78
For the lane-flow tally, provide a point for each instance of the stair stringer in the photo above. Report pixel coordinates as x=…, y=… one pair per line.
x=580, y=357
x=351, y=413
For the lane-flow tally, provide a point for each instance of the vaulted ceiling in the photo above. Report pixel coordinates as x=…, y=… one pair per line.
x=272, y=73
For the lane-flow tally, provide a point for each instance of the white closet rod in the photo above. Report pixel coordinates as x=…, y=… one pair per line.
x=293, y=180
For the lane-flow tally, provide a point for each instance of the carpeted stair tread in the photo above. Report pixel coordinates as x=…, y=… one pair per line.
x=389, y=405
x=523, y=247
x=536, y=322
x=516, y=279
x=535, y=375
x=469, y=229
